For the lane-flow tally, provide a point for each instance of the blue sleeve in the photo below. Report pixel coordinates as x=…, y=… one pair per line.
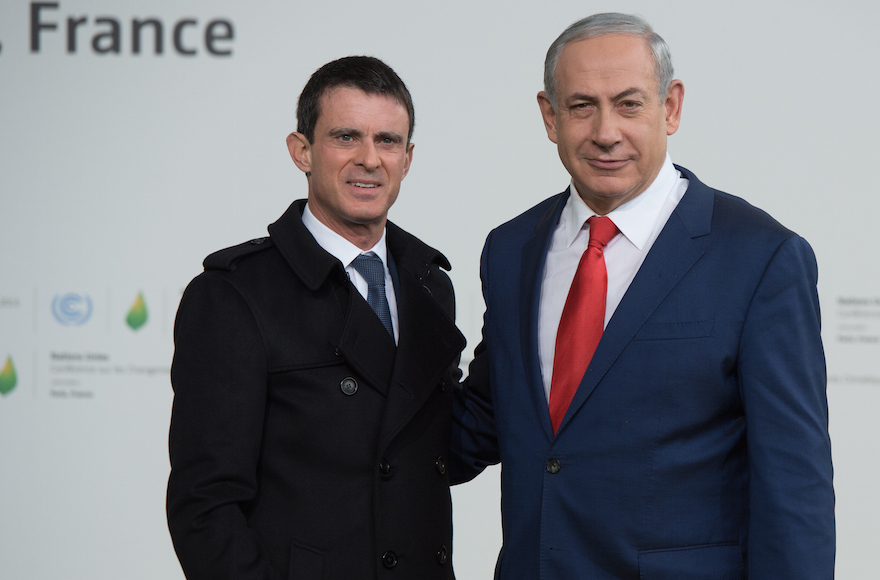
x=474, y=441
x=782, y=381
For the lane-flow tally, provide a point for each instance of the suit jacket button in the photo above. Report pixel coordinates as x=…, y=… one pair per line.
x=553, y=466
x=349, y=386
x=389, y=559
x=385, y=468
x=440, y=463
x=443, y=555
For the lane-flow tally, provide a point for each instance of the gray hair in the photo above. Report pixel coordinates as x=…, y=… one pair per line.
x=604, y=24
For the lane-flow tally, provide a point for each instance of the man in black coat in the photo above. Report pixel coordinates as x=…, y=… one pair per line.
x=314, y=369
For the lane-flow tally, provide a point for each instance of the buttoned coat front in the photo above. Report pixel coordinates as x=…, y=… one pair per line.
x=304, y=444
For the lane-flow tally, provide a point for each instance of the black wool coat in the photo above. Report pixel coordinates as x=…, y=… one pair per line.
x=304, y=444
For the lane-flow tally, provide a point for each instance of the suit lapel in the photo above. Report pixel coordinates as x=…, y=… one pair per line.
x=534, y=255
x=679, y=246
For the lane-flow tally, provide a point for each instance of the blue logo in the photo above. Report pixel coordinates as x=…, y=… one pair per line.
x=72, y=309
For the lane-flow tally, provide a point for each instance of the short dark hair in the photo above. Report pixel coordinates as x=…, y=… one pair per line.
x=366, y=73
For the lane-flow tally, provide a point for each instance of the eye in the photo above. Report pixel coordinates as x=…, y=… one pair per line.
x=581, y=110
x=389, y=141
x=346, y=138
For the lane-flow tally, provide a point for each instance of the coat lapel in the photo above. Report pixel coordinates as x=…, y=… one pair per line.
x=365, y=343
x=679, y=246
x=429, y=342
x=534, y=255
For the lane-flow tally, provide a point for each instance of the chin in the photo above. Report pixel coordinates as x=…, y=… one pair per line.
x=367, y=215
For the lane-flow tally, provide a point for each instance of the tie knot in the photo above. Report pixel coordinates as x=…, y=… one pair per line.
x=602, y=230
x=370, y=267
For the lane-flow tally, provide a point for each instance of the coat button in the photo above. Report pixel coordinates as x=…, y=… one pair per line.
x=553, y=466
x=440, y=464
x=389, y=559
x=442, y=385
x=443, y=555
x=349, y=386
x=385, y=468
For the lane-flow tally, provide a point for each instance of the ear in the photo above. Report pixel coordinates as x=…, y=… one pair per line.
x=408, y=161
x=673, y=103
x=548, y=114
x=300, y=151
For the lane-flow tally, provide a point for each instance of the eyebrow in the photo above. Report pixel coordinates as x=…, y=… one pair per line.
x=627, y=93
x=622, y=95
x=382, y=135
x=340, y=131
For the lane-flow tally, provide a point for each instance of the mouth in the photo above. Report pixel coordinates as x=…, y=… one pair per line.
x=364, y=184
x=607, y=164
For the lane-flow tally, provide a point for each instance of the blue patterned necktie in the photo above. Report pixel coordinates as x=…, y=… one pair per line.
x=370, y=267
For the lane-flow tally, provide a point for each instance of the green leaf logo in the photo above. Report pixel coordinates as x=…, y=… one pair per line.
x=137, y=315
x=7, y=377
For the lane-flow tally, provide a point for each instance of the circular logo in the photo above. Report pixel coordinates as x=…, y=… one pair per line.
x=72, y=309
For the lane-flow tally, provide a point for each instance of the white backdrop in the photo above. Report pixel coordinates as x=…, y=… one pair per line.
x=120, y=171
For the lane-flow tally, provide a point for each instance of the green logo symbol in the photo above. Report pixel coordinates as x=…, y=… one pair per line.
x=137, y=314
x=7, y=377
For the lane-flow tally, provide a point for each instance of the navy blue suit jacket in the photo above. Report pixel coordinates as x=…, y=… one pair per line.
x=697, y=444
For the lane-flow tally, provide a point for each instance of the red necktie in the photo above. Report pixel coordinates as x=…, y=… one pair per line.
x=583, y=319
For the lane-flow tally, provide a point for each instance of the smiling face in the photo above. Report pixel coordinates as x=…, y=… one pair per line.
x=609, y=124
x=359, y=157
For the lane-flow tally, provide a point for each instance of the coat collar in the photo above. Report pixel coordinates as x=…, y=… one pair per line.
x=313, y=265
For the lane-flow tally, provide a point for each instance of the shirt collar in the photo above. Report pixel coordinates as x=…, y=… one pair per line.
x=635, y=219
x=336, y=245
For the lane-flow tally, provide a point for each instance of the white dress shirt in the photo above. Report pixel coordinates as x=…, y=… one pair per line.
x=639, y=220
x=346, y=252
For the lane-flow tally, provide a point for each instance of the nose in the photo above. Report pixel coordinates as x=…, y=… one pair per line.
x=606, y=132
x=368, y=155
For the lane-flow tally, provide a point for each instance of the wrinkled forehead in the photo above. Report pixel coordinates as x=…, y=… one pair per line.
x=609, y=61
x=354, y=108
x=337, y=99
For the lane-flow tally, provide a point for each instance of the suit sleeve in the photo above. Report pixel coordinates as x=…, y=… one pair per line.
x=782, y=381
x=474, y=441
x=219, y=376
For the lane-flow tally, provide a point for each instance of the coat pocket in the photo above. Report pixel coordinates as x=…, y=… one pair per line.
x=306, y=563
x=707, y=562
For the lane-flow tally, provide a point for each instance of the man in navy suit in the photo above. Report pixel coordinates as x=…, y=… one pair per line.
x=692, y=442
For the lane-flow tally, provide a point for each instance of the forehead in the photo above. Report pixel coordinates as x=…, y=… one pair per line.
x=613, y=61
x=354, y=108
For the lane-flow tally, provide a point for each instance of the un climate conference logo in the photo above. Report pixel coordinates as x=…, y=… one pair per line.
x=72, y=309
x=7, y=377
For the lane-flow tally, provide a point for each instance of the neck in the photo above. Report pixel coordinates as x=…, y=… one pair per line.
x=364, y=235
